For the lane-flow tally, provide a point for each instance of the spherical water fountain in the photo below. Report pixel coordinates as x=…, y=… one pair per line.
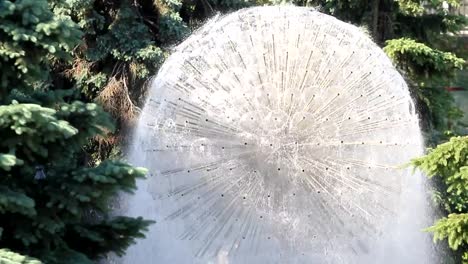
x=275, y=135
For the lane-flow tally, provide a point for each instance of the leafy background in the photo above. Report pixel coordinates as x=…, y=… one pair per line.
x=74, y=75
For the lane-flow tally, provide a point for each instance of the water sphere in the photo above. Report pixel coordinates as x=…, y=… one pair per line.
x=276, y=135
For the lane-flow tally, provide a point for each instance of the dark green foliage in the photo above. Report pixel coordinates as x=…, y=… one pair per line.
x=418, y=60
x=53, y=205
x=447, y=164
x=119, y=51
x=98, y=239
x=356, y=12
x=127, y=39
x=413, y=33
x=416, y=44
x=435, y=112
x=225, y=5
x=38, y=215
x=171, y=26
x=428, y=70
x=124, y=44
x=31, y=36
x=426, y=28
x=54, y=52
x=454, y=229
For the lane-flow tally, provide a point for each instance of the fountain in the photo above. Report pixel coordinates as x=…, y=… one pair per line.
x=275, y=135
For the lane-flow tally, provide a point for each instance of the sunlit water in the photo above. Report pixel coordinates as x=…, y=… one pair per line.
x=274, y=135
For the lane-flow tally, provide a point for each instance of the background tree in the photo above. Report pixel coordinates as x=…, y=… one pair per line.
x=62, y=58
x=417, y=35
x=124, y=44
x=447, y=165
x=126, y=41
x=53, y=205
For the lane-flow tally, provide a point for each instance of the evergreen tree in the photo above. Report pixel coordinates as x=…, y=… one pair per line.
x=53, y=206
x=414, y=34
x=126, y=41
x=447, y=165
x=119, y=53
x=123, y=44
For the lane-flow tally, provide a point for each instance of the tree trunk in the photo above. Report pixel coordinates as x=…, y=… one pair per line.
x=375, y=20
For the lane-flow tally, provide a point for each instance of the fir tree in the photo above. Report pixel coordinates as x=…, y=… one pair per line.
x=44, y=129
x=53, y=206
x=447, y=165
x=414, y=34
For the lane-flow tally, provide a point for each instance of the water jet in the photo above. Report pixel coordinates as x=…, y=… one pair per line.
x=275, y=135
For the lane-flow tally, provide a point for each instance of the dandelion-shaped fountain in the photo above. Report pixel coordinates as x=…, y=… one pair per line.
x=274, y=135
